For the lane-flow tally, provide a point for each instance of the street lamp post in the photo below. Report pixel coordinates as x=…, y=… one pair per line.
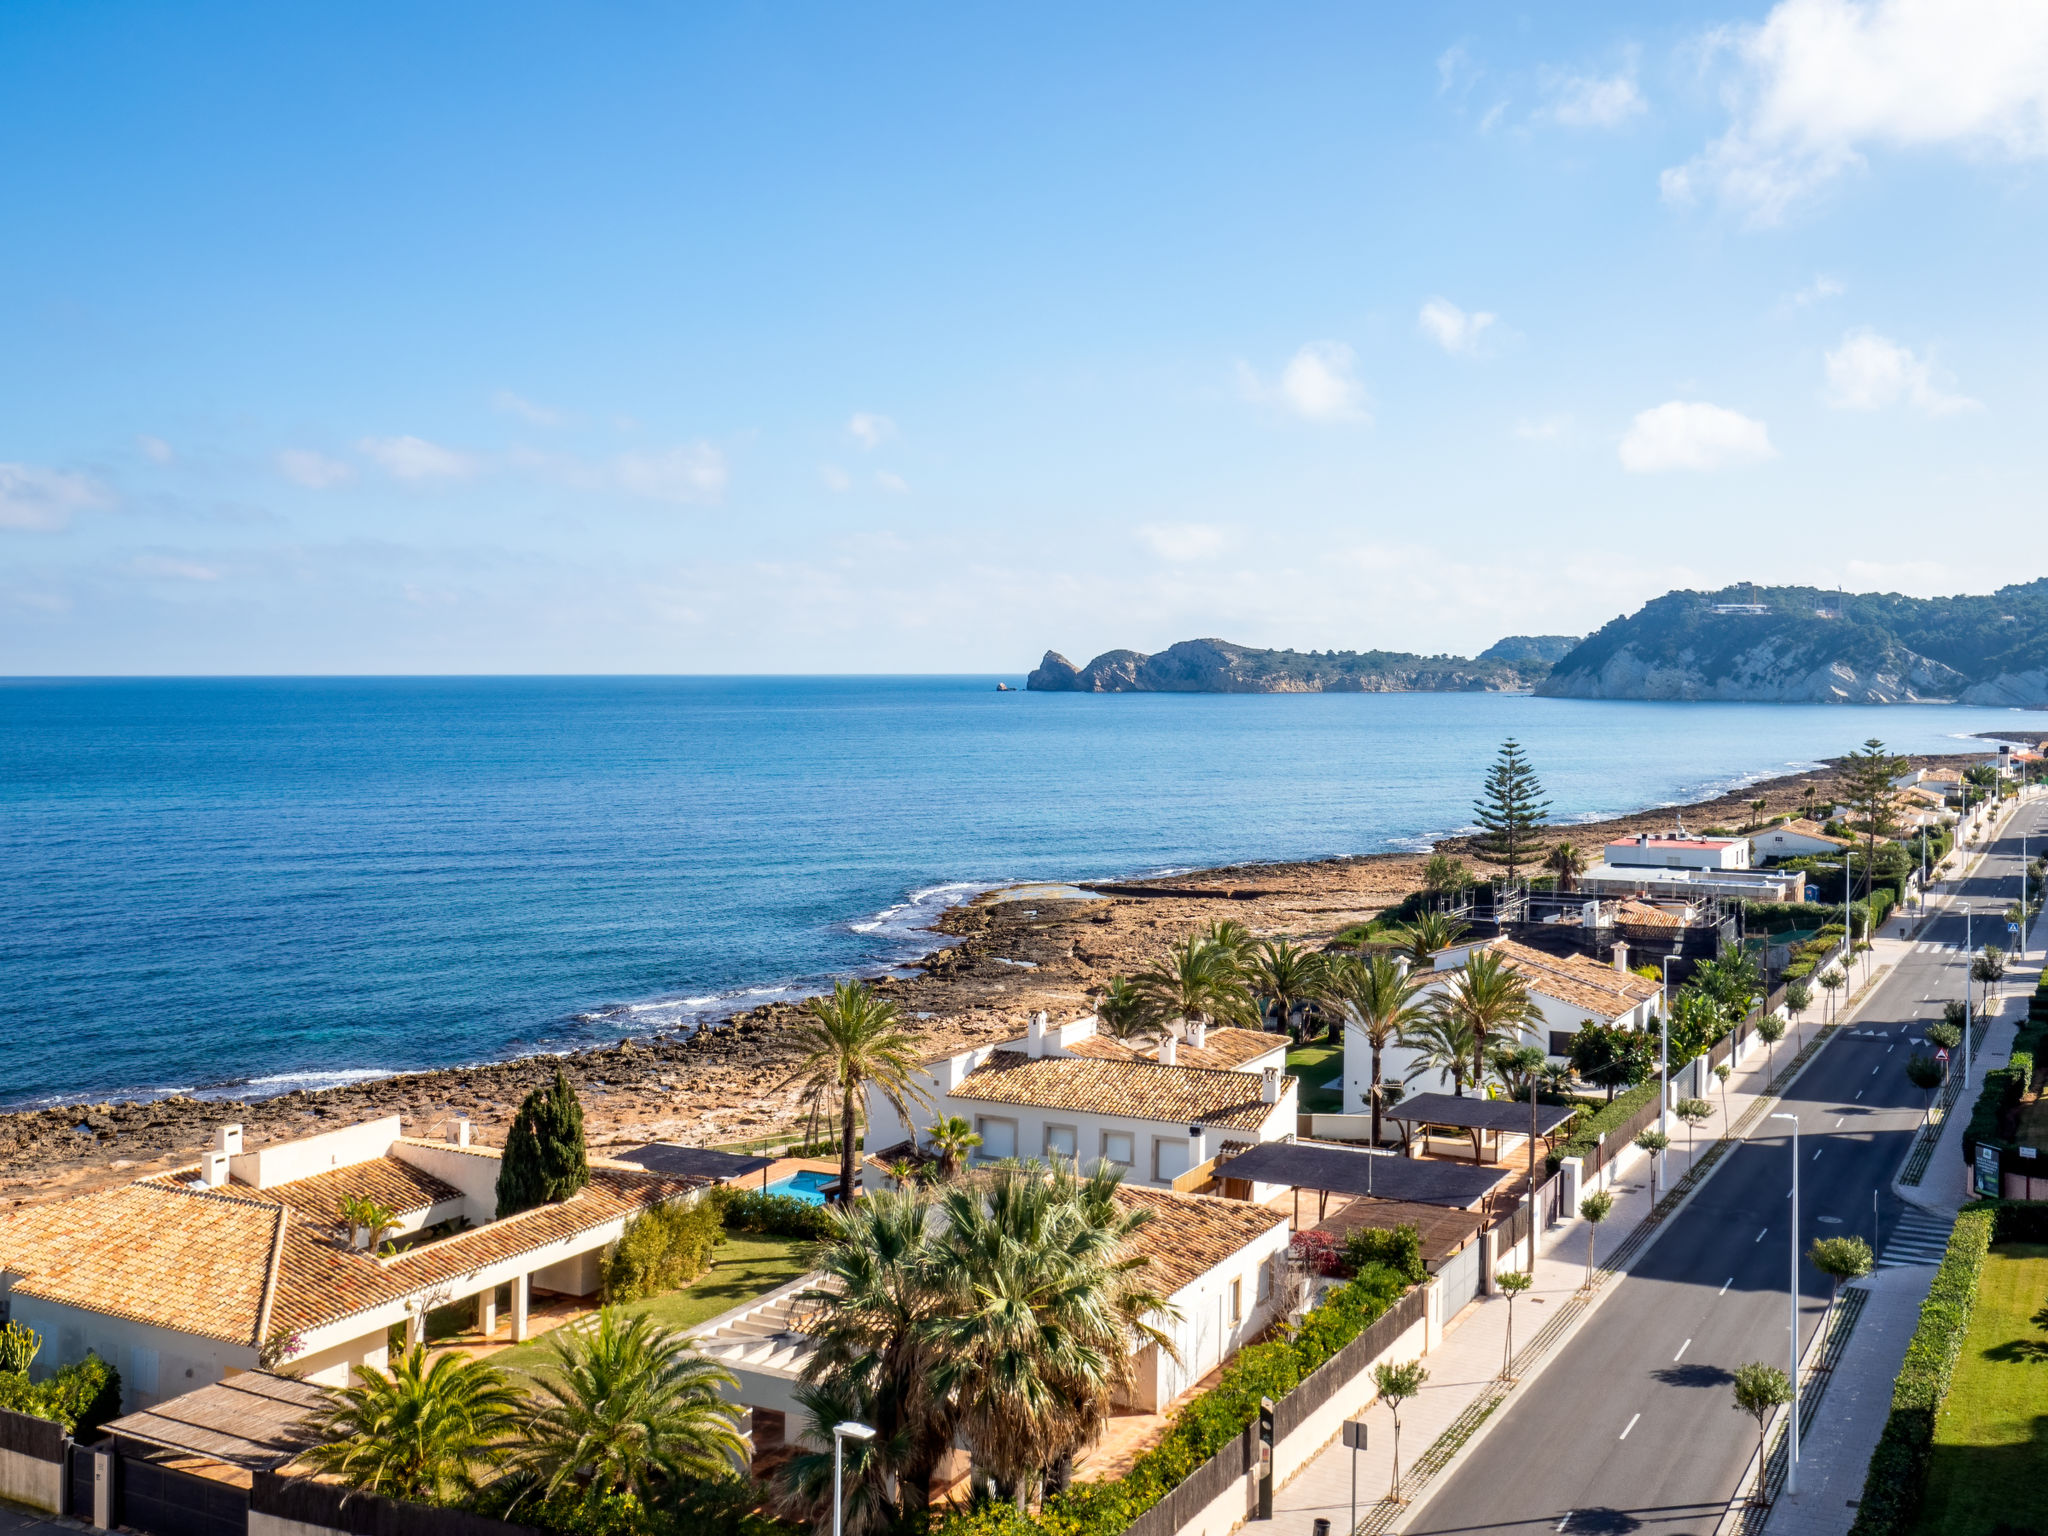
x=842, y=1432
x=1664, y=1070
x=1792, y=1445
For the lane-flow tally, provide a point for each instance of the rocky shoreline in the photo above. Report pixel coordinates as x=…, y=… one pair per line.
x=1015, y=951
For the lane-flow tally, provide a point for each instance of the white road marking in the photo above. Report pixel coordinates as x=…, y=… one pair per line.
x=1873, y=1071
x=1889, y=1049
x=1859, y=1093
x=1724, y=1286
x=1624, y=1435
x=1681, y=1350
x=1816, y=1155
x=1760, y=1236
x=1564, y=1522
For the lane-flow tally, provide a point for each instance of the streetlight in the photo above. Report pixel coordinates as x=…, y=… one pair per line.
x=1792, y=1454
x=841, y=1433
x=1663, y=1072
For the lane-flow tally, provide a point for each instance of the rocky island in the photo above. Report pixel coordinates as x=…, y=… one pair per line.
x=1217, y=666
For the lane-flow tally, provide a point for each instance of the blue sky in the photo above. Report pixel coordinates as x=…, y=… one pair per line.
x=516, y=338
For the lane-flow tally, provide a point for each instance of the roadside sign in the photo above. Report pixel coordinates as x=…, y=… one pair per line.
x=1354, y=1435
x=1942, y=1054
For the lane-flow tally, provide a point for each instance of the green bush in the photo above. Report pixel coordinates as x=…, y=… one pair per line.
x=724, y=1506
x=1608, y=1117
x=81, y=1396
x=1203, y=1427
x=1897, y=1478
x=749, y=1210
x=661, y=1250
x=1399, y=1250
x=2001, y=1091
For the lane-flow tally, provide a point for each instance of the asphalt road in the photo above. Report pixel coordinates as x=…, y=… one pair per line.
x=1632, y=1427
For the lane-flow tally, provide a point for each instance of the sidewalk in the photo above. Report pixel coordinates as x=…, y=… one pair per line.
x=1463, y=1394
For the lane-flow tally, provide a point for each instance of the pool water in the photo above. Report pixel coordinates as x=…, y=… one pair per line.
x=807, y=1186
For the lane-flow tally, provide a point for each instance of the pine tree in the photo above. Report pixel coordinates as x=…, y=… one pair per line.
x=1510, y=809
x=1873, y=802
x=545, y=1159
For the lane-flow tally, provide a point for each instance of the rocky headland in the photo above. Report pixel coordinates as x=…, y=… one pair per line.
x=1218, y=666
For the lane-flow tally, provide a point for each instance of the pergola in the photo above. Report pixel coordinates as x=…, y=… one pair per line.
x=250, y=1421
x=1331, y=1168
x=1480, y=1117
x=693, y=1162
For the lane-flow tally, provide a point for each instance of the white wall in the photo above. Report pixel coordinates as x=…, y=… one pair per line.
x=1204, y=1336
x=284, y=1161
x=155, y=1363
x=473, y=1172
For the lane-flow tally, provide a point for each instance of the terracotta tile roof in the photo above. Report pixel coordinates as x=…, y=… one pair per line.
x=1141, y=1090
x=1189, y=1235
x=1103, y=1048
x=392, y=1182
x=1226, y=1049
x=1576, y=981
x=1813, y=829
x=1640, y=914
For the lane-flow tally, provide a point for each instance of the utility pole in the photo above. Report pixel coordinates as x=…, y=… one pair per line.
x=1792, y=1445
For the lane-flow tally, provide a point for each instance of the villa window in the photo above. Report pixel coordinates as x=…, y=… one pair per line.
x=1116, y=1148
x=1169, y=1158
x=1266, y=1281
x=998, y=1138
x=1237, y=1300
x=1062, y=1143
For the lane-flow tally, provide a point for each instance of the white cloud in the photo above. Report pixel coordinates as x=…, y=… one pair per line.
x=1691, y=434
x=1819, y=291
x=869, y=430
x=695, y=473
x=1595, y=101
x=1542, y=429
x=315, y=471
x=1819, y=81
x=38, y=500
x=1183, y=542
x=1868, y=372
x=526, y=410
x=155, y=449
x=1452, y=328
x=891, y=482
x=835, y=478
x=168, y=567
x=414, y=458
x=1319, y=383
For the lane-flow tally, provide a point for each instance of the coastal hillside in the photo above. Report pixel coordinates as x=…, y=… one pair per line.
x=1806, y=645
x=1217, y=666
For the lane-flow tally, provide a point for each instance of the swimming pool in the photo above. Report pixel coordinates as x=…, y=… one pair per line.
x=807, y=1186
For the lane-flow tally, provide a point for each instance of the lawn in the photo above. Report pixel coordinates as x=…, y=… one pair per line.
x=1990, y=1465
x=745, y=1266
x=1316, y=1065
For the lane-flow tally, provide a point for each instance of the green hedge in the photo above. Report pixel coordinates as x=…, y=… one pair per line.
x=1897, y=1478
x=722, y=1506
x=1201, y=1429
x=80, y=1396
x=749, y=1210
x=2001, y=1091
x=662, y=1250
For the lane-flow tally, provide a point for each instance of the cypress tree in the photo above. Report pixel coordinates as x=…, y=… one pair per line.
x=545, y=1159
x=1510, y=809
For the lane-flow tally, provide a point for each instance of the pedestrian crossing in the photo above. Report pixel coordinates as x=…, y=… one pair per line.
x=1919, y=1238
x=1935, y=947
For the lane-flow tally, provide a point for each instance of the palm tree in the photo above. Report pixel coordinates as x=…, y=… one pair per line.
x=1442, y=1043
x=1493, y=1000
x=1198, y=980
x=1426, y=934
x=1233, y=938
x=1756, y=810
x=1122, y=1009
x=848, y=1040
x=1378, y=997
x=950, y=1138
x=874, y=1296
x=627, y=1406
x=1040, y=1312
x=1289, y=975
x=1567, y=863
x=421, y=1432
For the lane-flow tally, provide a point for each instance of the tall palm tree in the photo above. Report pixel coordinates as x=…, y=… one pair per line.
x=950, y=1138
x=1567, y=863
x=848, y=1040
x=420, y=1432
x=1494, y=1002
x=1289, y=975
x=1379, y=999
x=1426, y=934
x=1123, y=1009
x=1232, y=937
x=874, y=1296
x=1197, y=980
x=1041, y=1310
x=627, y=1406
x=1442, y=1042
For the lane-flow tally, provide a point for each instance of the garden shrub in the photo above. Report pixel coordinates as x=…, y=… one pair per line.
x=81, y=1396
x=661, y=1250
x=1317, y=1251
x=1608, y=1117
x=1398, y=1249
x=1897, y=1478
x=724, y=1506
x=749, y=1210
x=2000, y=1093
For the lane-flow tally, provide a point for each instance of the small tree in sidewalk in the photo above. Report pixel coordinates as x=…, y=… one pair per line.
x=1695, y=1113
x=1654, y=1141
x=1924, y=1073
x=1596, y=1208
x=1511, y=1283
x=1759, y=1389
x=1396, y=1384
x=1833, y=981
x=1839, y=1258
x=1771, y=1029
x=1721, y=1076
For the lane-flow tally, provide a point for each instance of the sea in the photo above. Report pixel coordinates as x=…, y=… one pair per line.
x=241, y=887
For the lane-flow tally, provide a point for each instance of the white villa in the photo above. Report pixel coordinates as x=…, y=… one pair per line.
x=183, y=1278
x=1684, y=868
x=1796, y=839
x=1571, y=990
x=1066, y=1092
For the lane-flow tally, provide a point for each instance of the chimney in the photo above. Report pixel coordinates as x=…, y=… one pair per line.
x=1169, y=1049
x=1034, y=1037
x=1620, y=955
x=1269, y=1089
x=1642, y=839
x=459, y=1131
x=213, y=1168
x=1197, y=1150
x=1199, y=1036
x=228, y=1139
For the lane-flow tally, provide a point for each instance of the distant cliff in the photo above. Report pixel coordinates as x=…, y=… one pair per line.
x=1806, y=645
x=1217, y=666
